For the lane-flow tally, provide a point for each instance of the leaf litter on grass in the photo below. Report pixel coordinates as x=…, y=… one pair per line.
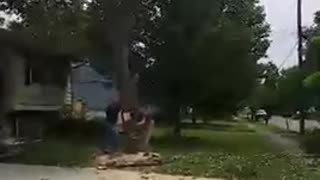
x=267, y=166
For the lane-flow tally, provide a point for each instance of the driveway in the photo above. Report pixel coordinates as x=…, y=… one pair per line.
x=24, y=172
x=293, y=125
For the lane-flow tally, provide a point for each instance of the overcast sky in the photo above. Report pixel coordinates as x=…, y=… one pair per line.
x=281, y=14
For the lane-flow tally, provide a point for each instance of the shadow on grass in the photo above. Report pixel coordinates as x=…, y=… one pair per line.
x=310, y=142
x=179, y=144
x=219, y=126
x=74, y=143
x=209, y=141
x=56, y=152
x=70, y=143
x=74, y=130
x=212, y=126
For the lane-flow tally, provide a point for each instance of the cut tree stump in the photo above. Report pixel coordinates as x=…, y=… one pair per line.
x=128, y=160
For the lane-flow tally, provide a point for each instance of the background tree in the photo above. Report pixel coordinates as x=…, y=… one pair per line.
x=269, y=74
x=314, y=30
x=265, y=93
x=292, y=94
x=206, y=55
x=312, y=65
x=59, y=27
x=312, y=83
x=263, y=98
x=311, y=37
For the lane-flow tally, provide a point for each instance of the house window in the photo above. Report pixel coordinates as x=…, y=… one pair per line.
x=31, y=75
x=28, y=75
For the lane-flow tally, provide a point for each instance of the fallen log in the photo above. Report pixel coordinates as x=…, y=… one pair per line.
x=128, y=160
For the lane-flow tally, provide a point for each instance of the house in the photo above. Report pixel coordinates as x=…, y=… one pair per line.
x=97, y=91
x=41, y=85
x=40, y=93
x=33, y=82
x=92, y=88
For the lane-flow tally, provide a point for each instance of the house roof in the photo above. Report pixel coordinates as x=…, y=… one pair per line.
x=86, y=74
x=96, y=90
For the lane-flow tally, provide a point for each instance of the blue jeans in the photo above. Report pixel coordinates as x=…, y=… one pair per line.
x=111, y=139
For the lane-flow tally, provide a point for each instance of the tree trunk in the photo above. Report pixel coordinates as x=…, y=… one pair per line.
x=10, y=68
x=177, y=128
x=302, y=126
x=126, y=84
x=127, y=88
x=119, y=23
x=253, y=115
x=120, y=20
x=287, y=125
x=177, y=120
x=302, y=122
x=194, y=118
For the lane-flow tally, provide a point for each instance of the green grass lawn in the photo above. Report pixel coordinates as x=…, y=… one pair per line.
x=230, y=151
x=227, y=154
x=199, y=140
x=56, y=152
x=271, y=128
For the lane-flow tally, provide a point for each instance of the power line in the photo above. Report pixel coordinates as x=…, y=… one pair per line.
x=292, y=50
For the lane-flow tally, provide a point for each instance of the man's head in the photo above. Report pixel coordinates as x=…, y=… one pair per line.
x=115, y=97
x=115, y=103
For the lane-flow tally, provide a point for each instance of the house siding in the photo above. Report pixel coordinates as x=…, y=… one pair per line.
x=43, y=96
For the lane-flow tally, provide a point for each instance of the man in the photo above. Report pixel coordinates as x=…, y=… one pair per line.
x=267, y=118
x=111, y=143
x=137, y=127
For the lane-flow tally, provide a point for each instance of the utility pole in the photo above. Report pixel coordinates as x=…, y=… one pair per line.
x=300, y=59
x=299, y=26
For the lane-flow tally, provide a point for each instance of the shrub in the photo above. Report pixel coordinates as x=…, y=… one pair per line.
x=311, y=142
x=76, y=129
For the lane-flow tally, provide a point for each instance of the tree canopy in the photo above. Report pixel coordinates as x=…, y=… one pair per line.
x=208, y=52
x=265, y=93
x=54, y=25
x=312, y=45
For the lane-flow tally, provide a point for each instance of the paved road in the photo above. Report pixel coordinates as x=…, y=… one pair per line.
x=293, y=124
x=24, y=172
x=280, y=142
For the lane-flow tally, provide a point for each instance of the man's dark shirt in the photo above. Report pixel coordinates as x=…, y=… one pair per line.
x=112, y=113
